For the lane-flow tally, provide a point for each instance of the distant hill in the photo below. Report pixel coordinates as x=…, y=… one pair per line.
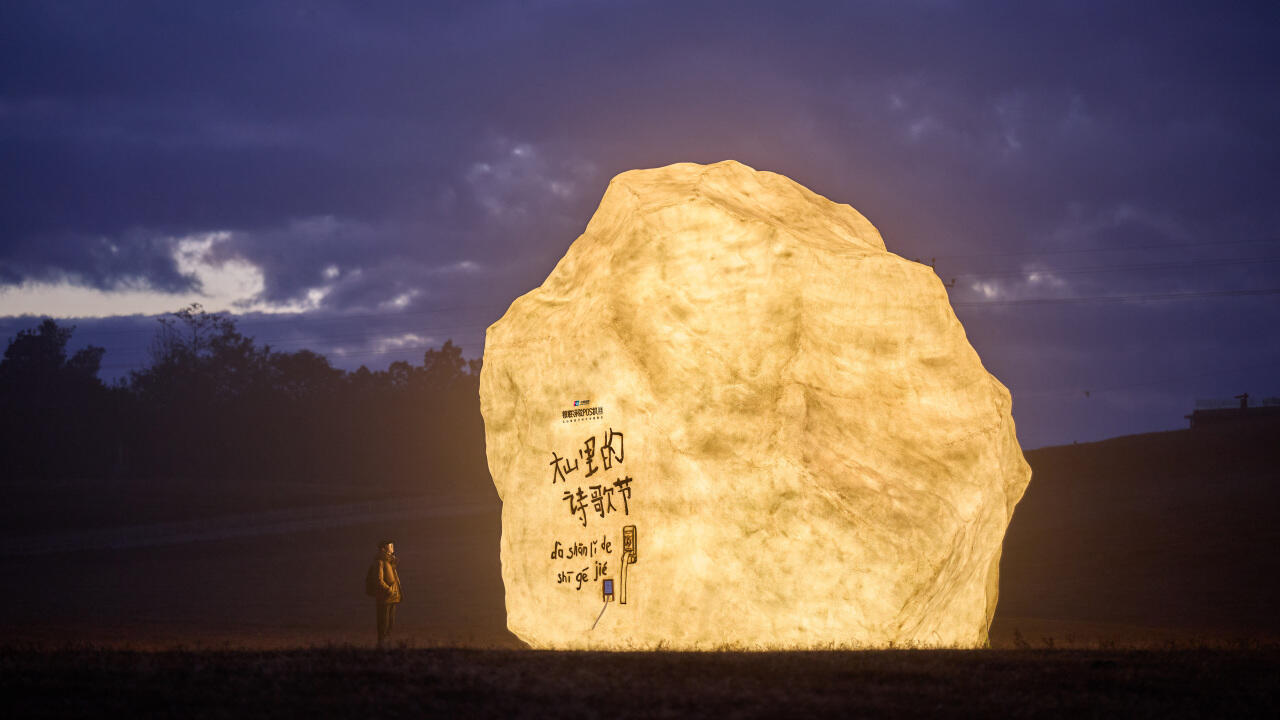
x=1173, y=531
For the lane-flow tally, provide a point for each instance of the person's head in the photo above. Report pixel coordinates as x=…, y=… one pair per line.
x=387, y=545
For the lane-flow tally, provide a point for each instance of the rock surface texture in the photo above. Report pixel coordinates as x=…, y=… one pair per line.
x=732, y=407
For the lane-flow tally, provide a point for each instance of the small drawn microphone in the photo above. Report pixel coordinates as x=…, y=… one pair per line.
x=628, y=558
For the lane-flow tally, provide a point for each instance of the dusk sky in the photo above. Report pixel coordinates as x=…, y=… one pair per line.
x=370, y=179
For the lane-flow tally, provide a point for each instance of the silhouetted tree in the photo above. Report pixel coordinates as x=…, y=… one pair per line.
x=36, y=360
x=213, y=404
x=52, y=406
x=202, y=372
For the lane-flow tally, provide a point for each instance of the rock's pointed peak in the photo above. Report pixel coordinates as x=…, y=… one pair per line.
x=742, y=190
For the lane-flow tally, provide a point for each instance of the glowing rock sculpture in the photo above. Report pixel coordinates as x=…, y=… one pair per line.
x=730, y=417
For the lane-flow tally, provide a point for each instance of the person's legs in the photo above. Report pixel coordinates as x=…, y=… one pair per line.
x=391, y=618
x=384, y=624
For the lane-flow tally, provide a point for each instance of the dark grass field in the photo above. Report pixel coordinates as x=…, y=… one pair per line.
x=1135, y=541
x=356, y=682
x=1139, y=579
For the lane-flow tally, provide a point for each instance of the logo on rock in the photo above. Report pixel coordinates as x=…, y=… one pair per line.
x=582, y=410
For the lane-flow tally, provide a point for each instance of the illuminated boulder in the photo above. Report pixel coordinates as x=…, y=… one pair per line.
x=730, y=417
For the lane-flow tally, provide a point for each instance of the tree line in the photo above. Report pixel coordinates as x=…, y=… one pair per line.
x=213, y=404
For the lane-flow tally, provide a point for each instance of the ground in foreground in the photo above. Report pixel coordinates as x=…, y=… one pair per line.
x=347, y=681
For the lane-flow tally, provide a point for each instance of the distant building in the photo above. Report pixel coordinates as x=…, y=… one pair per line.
x=1222, y=413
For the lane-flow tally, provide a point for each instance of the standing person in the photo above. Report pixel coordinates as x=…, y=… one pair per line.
x=387, y=588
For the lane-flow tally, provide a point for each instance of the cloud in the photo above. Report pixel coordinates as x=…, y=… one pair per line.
x=400, y=157
x=1120, y=223
x=1028, y=284
x=516, y=181
x=410, y=340
x=1045, y=278
x=219, y=283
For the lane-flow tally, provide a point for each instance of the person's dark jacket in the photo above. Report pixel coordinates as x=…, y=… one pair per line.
x=388, y=577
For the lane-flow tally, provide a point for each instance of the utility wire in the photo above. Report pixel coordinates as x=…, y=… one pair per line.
x=293, y=345
x=1110, y=249
x=1114, y=268
x=1115, y=298
x=301, y=342
x=248, y=324
x=332, y=355
x=287, y=344
x=280, y=343
x=1146, y=383
x=303, y=317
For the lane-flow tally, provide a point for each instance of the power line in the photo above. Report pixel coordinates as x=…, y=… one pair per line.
x=285, y=344
x=331, y=355
x=283, y=340
x=282, y=343
x=1112, y=249
x=249, y=324
x=1117, y=298
x=1146, y=383
x=307, y=318
x=1113, y=268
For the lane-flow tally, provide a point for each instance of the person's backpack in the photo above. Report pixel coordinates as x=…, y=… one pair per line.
x=373, y=581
